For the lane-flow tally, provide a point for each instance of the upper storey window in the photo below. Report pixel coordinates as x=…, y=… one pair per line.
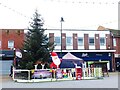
x=57, y=41
x=91, y=41
x=10, y=44
x=80, y=41
x=69, y=41
x=102, y=41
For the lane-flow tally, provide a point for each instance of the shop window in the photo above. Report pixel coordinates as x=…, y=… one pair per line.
x=69, y=41
x=102, y=41
x=57, y=41
x=11, y=44
x=91, y=41
x=80, y=41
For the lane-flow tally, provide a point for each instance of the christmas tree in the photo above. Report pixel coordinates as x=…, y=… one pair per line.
x=36, y=47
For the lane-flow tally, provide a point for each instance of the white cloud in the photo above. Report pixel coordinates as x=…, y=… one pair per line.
x=76, y=15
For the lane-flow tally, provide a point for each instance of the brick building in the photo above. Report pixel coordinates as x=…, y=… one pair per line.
x=90, y=45
x=10, y=39
x=116, y=44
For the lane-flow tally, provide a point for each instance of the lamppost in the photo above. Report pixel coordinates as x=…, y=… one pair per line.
x=62, y=20
x=14, y=57
x=112, y=47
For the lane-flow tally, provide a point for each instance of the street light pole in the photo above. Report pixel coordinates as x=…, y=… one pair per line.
x=62, y=20
x=112, y=47
x=14, y=57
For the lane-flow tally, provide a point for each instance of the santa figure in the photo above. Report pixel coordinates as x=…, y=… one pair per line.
x=56, y=61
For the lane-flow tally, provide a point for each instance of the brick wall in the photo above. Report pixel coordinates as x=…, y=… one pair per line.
x=117, y=47
x=86, y=41
x=63, y=41
x=75, y=43
x=17, y=35
x=97, y=42
x=109, y=42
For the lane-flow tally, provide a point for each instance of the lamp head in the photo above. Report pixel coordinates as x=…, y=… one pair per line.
x=62, y=20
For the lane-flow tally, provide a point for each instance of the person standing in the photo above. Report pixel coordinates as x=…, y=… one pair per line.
x=11, y=71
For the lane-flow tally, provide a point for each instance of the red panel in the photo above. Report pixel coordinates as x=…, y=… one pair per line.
x=78, y=73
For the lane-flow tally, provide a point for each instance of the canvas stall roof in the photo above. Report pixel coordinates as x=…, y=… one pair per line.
x=70, y=56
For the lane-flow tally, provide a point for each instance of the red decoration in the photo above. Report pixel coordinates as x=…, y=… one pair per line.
x=53, y=54
x=78, y=73
x=52, y=65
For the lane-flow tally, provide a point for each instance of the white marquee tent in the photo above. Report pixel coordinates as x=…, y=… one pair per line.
x=70, y=56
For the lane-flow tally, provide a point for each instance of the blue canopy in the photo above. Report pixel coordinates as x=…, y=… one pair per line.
x=69, y=61
x=69, y=64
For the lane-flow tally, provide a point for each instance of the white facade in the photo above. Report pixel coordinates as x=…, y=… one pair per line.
x=80, y=33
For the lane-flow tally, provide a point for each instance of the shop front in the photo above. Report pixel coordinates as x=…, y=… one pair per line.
x=117, y=61
x=7, y=57
x=7, y=54
x=90, y=57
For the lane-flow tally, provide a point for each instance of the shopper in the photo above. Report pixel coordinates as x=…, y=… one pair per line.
x=11, y=71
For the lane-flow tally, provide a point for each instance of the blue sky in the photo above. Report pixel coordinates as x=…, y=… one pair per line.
x=78, y=14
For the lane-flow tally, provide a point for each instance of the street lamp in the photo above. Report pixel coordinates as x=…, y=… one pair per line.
x=14, y=49
x=112, y=47
x=62, y=20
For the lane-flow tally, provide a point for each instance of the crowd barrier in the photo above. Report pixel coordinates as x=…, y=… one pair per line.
x=57, y=74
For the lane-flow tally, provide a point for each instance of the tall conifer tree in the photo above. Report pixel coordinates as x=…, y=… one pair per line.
x=37, y=46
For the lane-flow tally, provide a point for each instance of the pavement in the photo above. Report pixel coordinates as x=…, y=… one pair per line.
x=106, y=82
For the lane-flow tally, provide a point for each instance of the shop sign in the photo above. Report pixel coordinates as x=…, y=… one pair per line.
x=118, y=55
x=84, y=54
x=1, y=55
x=9, y=55
x=98, y=54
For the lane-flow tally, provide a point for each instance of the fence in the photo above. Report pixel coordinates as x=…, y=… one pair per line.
x=56, y=74
x=92, y=72
x=21, y=74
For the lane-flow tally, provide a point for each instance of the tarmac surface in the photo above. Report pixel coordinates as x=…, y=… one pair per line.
x=106, y=82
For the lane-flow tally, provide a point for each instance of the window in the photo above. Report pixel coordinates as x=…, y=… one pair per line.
x=57, y=41
x=10, y=44
x=114, y=42
x=18, y=32
x=0, y=44
x=102, y=41
x=7, y=31
x=91, y=41
x=80, y=41
x=69, y=41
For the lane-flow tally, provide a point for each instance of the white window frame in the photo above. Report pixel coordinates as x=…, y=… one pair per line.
x=69, y=44
x=114, y=42
x=101, y=44
x=80, y=44
x=12, y=45
x=58, y=44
